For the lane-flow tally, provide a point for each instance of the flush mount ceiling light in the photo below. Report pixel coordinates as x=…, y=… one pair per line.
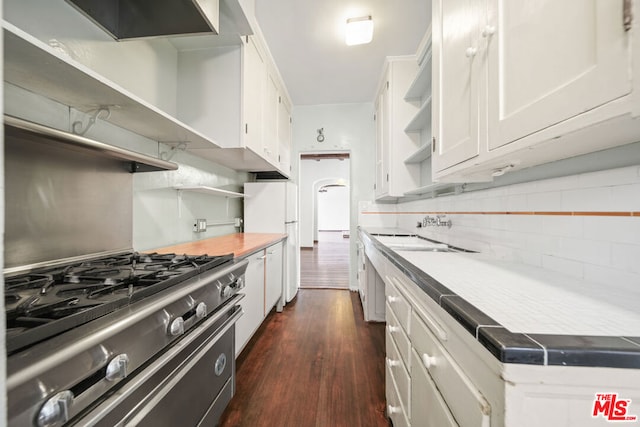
x=359, y=30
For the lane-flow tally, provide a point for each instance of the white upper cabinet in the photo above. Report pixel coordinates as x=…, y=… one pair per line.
x=270, y=148
x=457, y=73
x=284, y=134
x=518, y=85
x=551, y=62
x=253, y=94
x=231, y=93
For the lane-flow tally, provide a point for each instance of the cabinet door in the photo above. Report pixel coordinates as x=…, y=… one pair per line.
x=273, y=284
x=427, y=404
x=253, y=302
x=270, y=144
x=254, y=71
x=457, y=73
x=382, y=141
x=549, y=61
x=284, y=135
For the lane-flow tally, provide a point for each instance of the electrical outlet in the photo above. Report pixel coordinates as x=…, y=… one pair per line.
x=200, y=225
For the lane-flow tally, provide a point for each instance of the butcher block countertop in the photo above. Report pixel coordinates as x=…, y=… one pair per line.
x=240, y=244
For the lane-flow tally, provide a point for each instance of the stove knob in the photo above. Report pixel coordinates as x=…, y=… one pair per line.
x=55, y=411
x=117, y=368
x=227, y=291
x=239, y=283
x=201, y=310
x=177, y=327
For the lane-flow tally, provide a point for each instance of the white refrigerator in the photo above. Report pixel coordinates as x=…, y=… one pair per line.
x=272, y=207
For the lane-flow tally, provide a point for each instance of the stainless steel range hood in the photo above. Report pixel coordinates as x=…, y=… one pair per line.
x=132, y=19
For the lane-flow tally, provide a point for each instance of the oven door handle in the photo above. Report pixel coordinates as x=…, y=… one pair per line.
x=136, y=381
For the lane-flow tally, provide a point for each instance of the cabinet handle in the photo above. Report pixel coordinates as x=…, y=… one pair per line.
x=428, y=361
x=471, y=52
x=392, y=299
x=262, y=257
x=393, y=409
x=391, y=363
x=488, y=31
x=392, y=329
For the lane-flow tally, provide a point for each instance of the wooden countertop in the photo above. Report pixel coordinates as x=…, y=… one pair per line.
x=240, y=244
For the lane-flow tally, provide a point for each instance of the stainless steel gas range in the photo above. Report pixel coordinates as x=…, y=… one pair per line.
x=128, y=339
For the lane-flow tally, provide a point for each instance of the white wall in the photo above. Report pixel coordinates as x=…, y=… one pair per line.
x=333, y=209
x=347, y=127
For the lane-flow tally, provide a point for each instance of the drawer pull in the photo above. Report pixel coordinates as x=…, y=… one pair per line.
x=393, y=329
x=428, y=361
x=391, y=363
x=393, y=409
x=392, y=299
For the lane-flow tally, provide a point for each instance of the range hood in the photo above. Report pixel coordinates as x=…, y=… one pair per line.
x=134, y=19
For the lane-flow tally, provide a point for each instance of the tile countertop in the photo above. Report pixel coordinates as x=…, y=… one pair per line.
x=240, y=244
x=524, y=314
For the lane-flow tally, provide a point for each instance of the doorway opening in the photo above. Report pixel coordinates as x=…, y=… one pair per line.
x=324, y=220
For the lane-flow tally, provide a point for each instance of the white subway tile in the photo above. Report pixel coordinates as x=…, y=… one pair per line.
x=585, y=251
x=626, y=257
x=613, y=278
x=612, y=229
x=591, y=199
x=565, y=226
x=621, y=176
x=563, y=265
x=517, y=203
x=544, y=201
x=556, y=184
x=625, y=198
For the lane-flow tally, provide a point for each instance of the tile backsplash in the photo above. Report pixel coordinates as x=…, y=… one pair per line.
x=586, y=226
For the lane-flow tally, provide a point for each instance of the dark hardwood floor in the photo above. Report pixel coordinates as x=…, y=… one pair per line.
x=327, y=264
x=318, y=363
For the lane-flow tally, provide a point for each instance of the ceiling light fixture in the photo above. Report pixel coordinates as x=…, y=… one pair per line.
x=359, y=30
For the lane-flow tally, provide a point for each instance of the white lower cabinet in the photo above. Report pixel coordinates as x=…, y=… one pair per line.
x=395, y=411
x=262, y=290
x=465, y=401
x=273, y=278
x=428, y=406
x=371, y=288
x=426, y=387
x=253, y=301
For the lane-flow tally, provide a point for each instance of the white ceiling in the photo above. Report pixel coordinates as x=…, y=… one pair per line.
x=306, y=39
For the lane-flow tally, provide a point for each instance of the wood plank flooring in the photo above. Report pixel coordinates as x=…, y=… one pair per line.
x=316, y=364
x=327, y=265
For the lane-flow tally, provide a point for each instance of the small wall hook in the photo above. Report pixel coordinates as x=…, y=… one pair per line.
x=320, y=137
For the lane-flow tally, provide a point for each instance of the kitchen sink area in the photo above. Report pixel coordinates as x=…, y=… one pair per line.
x=412, y=243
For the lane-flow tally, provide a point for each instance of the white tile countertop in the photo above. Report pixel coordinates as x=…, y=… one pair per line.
x=526, y=299
x=525, y=314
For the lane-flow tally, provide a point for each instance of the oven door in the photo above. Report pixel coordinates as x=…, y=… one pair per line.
x=190, y=382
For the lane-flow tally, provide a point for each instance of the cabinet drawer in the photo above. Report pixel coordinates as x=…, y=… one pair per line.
x=399, y=374
x=398, y=303
x=427, y=404
x=395, y=411
x=467, y=404
x=399, y=336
